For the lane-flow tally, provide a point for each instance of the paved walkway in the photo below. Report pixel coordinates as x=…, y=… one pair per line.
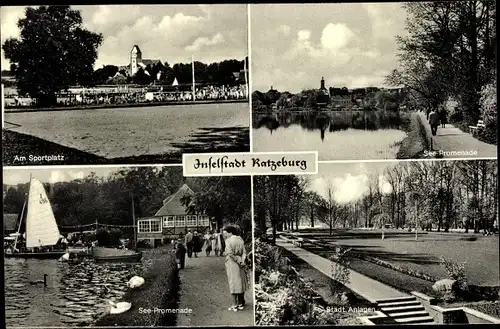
x=205, y=290
x=453, y=139
x=367, y=288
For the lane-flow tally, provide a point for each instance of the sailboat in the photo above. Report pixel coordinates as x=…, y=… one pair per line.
x=41, y=233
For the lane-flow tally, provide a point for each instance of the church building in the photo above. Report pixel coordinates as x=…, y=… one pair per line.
x=136, y=61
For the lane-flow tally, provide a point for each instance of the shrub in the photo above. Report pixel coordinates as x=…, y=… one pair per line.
x=340, y=270
x=282, y=296
x=455, y=272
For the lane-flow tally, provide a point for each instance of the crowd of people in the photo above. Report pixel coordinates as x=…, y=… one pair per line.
x=228, y=242
x=96, y=97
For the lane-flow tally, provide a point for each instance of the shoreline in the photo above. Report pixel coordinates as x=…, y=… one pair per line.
x=119, y=106
x=415, y=143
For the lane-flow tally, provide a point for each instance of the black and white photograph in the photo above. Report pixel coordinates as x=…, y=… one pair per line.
x=364, y=81
x=126, y=246
x=123, y=84
x=373, y=243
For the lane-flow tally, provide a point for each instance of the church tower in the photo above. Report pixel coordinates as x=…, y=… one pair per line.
x=135, y=59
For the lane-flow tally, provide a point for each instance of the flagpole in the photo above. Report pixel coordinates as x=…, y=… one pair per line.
x=192, y=69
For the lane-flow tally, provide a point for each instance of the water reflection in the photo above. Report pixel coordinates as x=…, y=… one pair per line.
x=76, y=293
x=336, y=135
x=330, y=121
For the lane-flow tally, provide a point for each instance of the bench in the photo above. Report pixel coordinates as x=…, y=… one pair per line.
x=477, y=128
x=298, y=242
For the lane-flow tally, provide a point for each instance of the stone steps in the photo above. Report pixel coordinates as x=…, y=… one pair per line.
x=405, y=303
x=415, y=320
x=405, y=310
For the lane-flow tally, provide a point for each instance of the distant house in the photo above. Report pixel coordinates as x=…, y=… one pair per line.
x=171, y=220
x=341, y=101
x=9, y=223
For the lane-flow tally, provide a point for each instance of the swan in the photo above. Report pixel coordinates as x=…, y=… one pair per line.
x=136, y=281
x=117, y=308
x=44, y=281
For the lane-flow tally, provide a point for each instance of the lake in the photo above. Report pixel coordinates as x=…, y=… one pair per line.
x=139, y=131
x=76, y=293
x=337, y=135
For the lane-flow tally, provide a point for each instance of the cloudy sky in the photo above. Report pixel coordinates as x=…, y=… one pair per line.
x=350, y=44
x=349, y=180
x=170, y=33
x=53, y=175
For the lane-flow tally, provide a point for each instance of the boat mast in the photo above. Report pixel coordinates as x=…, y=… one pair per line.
x=22, y=214
x=20, y=222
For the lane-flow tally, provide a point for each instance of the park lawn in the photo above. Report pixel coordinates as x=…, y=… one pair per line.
x=481, y=256
x=390, y=277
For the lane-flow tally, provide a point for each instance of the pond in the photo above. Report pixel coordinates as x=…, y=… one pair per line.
x=76, y=294
x=340, y=135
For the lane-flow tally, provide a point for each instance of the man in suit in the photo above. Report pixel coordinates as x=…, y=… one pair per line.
x=434, y=121
x=188, y=240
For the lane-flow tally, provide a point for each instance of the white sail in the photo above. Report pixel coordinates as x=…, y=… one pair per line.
x=175, y=83
x=41, y=226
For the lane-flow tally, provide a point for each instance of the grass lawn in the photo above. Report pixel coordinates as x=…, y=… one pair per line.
x=397, y=280
x=481, y=256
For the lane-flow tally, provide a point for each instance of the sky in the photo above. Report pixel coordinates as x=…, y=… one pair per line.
x=350, y=181
x=53, y=175
x=210, y=33
x=349, y=44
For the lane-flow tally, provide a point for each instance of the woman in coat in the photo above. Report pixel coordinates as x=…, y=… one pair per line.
x=235, y=267
x=197, y=244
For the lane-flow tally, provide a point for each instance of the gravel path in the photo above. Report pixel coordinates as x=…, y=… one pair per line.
x=452, y=139
x=204, y=289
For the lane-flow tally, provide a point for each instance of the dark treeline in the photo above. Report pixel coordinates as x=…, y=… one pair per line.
x=109, y=200
x=365, y=99
x=438, y=195
x=220, y=73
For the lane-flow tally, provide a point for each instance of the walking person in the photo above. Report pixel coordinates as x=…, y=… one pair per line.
x=444, y=117
x=207, y=243
x=180, y=254
x=196, y=244
x=188, y=240
x=434, y=122
x=236, y=267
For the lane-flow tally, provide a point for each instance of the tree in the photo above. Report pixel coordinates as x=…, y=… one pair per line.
x=448, y=52
x=102, y=75
x=226, y=199
x=332, y=210
x=312, y=202
x=53, y=52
